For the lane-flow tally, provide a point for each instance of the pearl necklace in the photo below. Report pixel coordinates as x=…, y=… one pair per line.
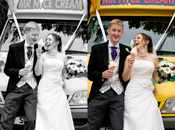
x=52, y=54
x=143, y=54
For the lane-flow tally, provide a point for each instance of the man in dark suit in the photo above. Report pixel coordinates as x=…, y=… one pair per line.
x=107, y=91
x=22, y=83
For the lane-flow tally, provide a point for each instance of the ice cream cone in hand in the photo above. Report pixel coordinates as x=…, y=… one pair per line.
x=133, y=52
x=112, y=68
x=41, y=44
x=111, y=65
x=133, y=55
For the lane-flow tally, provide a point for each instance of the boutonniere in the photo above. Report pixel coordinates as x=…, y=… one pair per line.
x=127, y=50
x=131, y=45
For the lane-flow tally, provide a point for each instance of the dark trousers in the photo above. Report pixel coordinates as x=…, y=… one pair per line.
x=12, y=103
x=108, y=103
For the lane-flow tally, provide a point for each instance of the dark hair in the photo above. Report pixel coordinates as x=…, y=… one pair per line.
x=57, y=38
x=150, y=44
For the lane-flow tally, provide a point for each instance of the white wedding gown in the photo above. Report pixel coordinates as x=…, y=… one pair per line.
x=141, y=108
x=53, y=111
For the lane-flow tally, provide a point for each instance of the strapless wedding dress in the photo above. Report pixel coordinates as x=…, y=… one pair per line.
x=53, y=111
x=141, y=108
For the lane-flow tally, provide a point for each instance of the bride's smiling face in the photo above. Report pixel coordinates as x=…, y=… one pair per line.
x=139, y=42
x=50, y=42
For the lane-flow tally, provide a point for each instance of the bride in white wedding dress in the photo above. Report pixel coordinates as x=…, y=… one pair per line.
x=53, y=111
x=141, y=109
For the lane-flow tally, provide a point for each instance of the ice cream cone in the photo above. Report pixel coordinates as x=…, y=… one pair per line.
x=133, y=52
x=133, y=55
x=112, y=68
x=112, y=65
x=41, y=43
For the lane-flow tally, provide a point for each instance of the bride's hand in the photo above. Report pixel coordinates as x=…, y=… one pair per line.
x=130, y=61
x=155, y=91
x=39, y=52
x=161, y=80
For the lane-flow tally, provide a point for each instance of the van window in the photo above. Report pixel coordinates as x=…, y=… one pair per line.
x=153, y=26
x=63, y=28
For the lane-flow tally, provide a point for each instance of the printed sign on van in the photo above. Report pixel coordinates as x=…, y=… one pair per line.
x=51, y=4
x=138, y=2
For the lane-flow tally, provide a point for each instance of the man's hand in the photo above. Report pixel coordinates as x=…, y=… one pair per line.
x=161, y=80
x=23, y=72
x=107, y=74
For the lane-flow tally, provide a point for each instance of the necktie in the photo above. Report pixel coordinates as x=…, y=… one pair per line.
x=113, y=53
x=29, y=52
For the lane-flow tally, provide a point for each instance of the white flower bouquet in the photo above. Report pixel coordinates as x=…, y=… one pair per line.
x=166, y=69
x=74, y=67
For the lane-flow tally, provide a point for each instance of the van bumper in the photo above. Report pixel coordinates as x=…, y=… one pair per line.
x=169, y=122
x=80, y=118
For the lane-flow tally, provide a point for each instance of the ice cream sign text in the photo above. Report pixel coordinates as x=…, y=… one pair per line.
x=51, y=4
x=138, y=2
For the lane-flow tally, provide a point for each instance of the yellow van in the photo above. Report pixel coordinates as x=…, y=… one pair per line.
x=146, y=16
x=56, y=16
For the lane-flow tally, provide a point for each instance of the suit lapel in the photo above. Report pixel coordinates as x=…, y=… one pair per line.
x=35, y=57
x=122, y=55
x=121, y=51
x=21, y=53
x=105, y=54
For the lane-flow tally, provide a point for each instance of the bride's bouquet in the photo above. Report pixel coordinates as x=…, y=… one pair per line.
x=166, y=69
x=74, y=67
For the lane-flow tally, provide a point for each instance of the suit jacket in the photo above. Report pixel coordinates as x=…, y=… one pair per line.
x=98, y=63
x=16, y=61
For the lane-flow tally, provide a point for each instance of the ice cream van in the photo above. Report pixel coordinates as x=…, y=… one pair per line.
x=153, y=17
x=67, y=18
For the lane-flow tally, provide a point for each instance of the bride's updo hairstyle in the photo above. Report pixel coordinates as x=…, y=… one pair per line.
x=150, y=44
x=57, y=38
